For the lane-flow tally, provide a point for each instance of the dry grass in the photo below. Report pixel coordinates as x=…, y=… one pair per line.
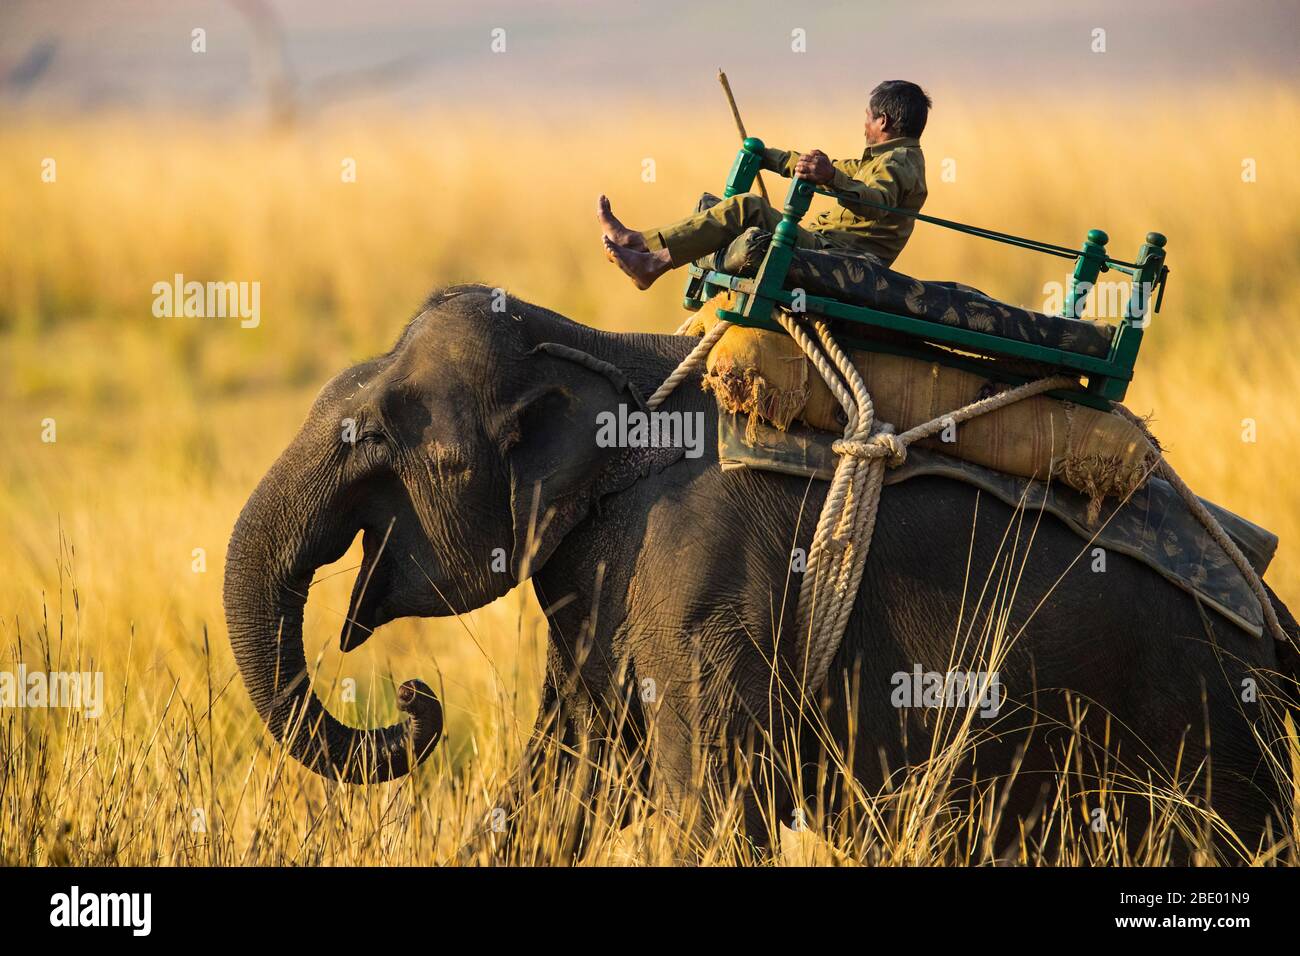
x=164, y=426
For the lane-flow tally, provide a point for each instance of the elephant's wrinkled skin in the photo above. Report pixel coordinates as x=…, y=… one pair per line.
x=667, y=579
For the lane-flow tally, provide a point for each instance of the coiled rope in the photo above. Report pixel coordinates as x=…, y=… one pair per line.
x=847, y=521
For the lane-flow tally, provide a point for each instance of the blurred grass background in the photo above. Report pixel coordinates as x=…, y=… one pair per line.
x=165, y=425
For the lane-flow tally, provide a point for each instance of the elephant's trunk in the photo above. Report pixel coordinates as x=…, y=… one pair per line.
x=278, y=543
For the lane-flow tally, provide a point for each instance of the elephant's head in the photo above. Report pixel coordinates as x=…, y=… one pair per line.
x=471, y=435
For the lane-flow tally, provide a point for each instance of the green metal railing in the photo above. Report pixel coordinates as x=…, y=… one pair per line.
x=1107, y=378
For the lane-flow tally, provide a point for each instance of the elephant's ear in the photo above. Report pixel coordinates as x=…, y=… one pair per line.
x=554, y=448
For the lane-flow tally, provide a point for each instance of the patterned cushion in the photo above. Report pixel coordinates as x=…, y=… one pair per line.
x=860, y=279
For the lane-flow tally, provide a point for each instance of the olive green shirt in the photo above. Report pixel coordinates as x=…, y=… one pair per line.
x=891, y=173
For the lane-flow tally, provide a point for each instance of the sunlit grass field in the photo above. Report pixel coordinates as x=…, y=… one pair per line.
x=114, y=534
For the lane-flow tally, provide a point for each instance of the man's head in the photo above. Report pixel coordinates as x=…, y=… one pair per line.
x=896, y=108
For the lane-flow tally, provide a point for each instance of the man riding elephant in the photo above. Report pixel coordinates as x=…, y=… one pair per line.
x=891, y=172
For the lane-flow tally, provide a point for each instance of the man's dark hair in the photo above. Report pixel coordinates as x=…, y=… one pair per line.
x=906, y=105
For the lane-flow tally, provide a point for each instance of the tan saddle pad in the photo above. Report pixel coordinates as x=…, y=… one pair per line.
x=766, y=376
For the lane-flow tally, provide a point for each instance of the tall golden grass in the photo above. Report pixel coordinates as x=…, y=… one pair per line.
x=164, y=426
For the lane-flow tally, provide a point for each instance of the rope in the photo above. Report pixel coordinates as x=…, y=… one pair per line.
x=699, y=355
x=842, y=540
x=685, y=326
x=838, y=554
x=1211, y=524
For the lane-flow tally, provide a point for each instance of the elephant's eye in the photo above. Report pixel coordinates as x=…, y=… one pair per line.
x=371, y=438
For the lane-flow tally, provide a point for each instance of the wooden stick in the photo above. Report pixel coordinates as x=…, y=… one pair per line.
x=740, y=125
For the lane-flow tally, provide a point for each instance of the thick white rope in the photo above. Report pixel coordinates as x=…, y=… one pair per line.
x=842, y=540
x=699, y=355
x=847, y=521
x=1215, y=530
x=685, y=326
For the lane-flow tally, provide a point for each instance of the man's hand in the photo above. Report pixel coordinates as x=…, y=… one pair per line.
x=815, y=167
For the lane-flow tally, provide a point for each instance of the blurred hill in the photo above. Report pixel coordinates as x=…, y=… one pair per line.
x=136, y=53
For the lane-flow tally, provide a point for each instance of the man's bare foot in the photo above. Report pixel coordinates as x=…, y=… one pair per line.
x=643, y=268
x=615, y=231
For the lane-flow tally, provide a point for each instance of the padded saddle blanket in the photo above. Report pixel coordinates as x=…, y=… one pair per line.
x=860, y=279
x=1153, y=526
x=767, y=376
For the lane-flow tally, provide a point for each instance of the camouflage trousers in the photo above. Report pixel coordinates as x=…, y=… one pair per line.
x=714, y=228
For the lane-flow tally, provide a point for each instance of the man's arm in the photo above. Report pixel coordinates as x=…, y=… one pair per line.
x=849, y=167
x=784, y=161
x=882, y=189
x=780, y=160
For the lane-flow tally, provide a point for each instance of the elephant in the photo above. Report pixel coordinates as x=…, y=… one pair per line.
x=667, y=585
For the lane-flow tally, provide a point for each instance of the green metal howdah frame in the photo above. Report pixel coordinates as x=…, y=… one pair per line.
x=1107, y=379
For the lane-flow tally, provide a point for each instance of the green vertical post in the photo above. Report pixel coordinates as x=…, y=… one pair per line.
x=748, y=162
x=1128, y=336
x=776, y=264
x=1089, y=265
x=1150, y=262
